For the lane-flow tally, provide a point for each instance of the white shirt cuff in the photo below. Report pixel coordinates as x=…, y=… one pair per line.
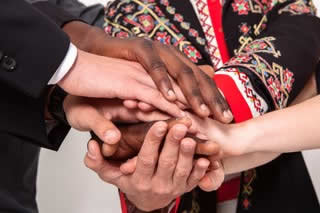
x=65, y=66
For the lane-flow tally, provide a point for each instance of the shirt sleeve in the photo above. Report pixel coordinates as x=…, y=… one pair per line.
x=65, y=66
x=277, y=62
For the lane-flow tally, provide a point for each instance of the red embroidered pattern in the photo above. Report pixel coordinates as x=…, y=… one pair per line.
x=299, y=7
x=277, y=80
x=144, y=18
x=257, y=105
x=207, y=27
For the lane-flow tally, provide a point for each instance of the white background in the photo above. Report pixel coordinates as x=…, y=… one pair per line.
x=65, y=185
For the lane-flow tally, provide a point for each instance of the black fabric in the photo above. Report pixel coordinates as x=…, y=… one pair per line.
x=92, y=14
x=38, y=46
x=284, y=184
x=56, y=14
x=18, y=163
x=318, y=78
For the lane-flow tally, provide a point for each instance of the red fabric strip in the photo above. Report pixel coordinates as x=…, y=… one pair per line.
x=229, y=190
x=175, y=209
x=123, y=203
x=236, y=101
x=215, y=10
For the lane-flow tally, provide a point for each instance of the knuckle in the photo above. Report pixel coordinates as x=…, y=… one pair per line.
x=186, y=71
x=196, y=92
x=145, y=43
x=147, y=162
x=142, y=187
x=158, y=65
x=181, y=173
x=163, y=190
x=167, y=163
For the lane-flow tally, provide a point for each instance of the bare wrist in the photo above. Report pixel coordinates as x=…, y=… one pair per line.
x=241, y=134
x=247, y=134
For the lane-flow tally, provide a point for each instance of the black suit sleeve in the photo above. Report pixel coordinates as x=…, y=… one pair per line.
x=93, y=14
x=36, y=44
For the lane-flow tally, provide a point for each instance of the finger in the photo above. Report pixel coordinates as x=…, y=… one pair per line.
x=95, y=161
x=213, y=179
x=184, y=164
x=197, y=173
x=170, y=152
x=102, y=127
x=152, y=116
x=109, y=149
x=209, y=91
x=145, y=107
x=185, y=121
x=214, y=99
x=148, y=155
x=208, y=70
x=130, y=104
x=129, y=166
x=155, y=98
x=106, y=149
x=208, y=148
x=147, y=55
x=187, y=81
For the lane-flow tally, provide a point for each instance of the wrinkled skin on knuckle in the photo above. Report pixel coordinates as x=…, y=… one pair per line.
x=162, y=190
x=181, y=173
x=185, y=72
x=167, y=163
x=141, y=186
x=147, y=162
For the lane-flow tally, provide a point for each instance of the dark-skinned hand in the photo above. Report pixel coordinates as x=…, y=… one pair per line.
x=162, y=62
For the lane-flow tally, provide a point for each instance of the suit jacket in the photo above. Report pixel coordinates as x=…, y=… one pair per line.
x=31, y=49
x=276, y=44
x=93, y=14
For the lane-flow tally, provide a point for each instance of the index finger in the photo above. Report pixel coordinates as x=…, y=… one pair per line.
x=148, y=57
x=149, y=152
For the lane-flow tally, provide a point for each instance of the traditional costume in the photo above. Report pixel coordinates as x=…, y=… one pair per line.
x=263, y=51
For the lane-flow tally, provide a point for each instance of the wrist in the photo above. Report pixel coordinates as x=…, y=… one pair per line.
x=86, y=37
x=245, y=134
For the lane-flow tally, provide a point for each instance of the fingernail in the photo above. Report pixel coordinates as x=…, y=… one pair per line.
x=183, y=114
x=204, y=108
x=227, y=114
x=171, y=94
x=161, y=131
x=205, y=163
x=91, y=152
x=180, y=132
x=188, y=146
x=111, y=137
x=215, y=165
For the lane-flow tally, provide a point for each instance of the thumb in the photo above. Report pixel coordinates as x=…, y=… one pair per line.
x=213, y=179
x=103, y=128
x=129, y=167
x=94, y=158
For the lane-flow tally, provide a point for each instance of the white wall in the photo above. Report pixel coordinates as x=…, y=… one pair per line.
x=66, y=185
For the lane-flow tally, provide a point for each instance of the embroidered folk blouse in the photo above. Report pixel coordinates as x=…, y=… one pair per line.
x=264, y=51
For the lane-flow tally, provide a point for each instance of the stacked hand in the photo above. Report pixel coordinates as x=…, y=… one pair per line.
x=161, y=171
x=137, y=80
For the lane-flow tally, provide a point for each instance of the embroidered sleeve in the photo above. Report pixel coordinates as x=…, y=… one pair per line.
x=282, y=52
